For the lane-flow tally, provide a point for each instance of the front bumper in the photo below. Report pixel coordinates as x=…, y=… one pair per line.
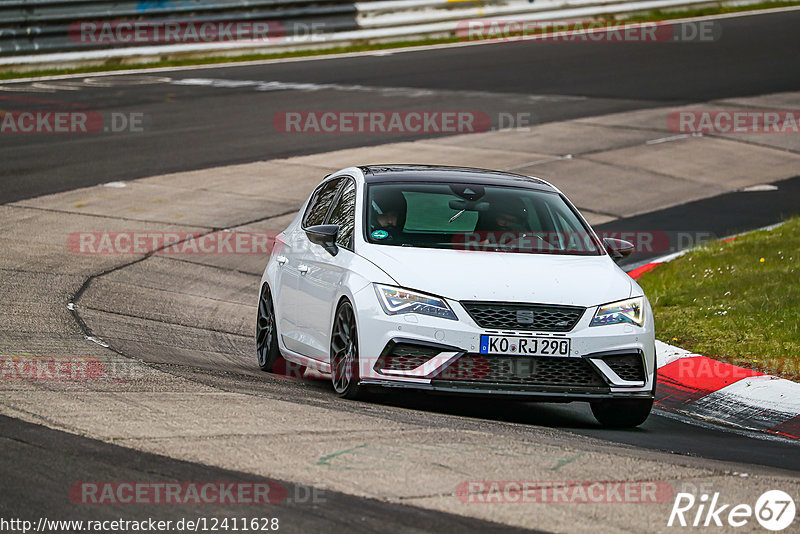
x=601, y=363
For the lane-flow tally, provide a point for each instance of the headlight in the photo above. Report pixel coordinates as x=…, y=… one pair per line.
x=396, y=300
x=629, y=311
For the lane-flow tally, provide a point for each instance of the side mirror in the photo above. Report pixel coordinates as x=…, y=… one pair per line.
x=618, y=248
x=325, y=236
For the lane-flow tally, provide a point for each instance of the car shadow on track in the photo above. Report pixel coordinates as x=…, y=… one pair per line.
x=316, y=388
x=562, y=415
x=572, y=415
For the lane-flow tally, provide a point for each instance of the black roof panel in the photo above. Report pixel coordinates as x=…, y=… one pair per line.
x=441, y=173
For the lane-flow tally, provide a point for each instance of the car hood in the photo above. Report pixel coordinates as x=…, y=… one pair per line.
x=507, y=277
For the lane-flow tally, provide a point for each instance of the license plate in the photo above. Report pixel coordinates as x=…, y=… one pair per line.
x=524, y=345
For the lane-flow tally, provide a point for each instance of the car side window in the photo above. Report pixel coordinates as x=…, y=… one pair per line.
x=344, y=213
x=320, y=203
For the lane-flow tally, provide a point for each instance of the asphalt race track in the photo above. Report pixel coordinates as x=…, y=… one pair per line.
x=663, y=433
x=195, y=127
x=201, y=118
x=719, y=217
x=62, y=458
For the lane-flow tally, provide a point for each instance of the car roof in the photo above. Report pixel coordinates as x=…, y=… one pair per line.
x=446, y=174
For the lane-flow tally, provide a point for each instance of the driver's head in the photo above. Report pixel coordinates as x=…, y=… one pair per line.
x=507, y=220
x=388, y=218
x=389, y=208
x=508, y=214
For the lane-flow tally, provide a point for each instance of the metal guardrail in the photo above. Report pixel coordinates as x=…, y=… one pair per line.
x=42, y=32
x=41, y=26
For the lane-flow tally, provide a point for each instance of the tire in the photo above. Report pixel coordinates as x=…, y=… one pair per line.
x=625, y=413
x=344, y=353
x=622, y=413
x=266, y=332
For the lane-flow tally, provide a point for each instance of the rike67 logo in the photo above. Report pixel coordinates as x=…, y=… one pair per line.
x=774, y=510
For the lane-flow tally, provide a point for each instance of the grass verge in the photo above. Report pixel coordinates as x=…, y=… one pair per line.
x=115, y=64
x=736, y=301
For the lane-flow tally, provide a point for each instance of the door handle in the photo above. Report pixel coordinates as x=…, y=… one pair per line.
x=303, y=269
x=281, y=259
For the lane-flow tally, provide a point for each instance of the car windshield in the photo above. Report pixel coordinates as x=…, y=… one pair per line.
x=475, y=217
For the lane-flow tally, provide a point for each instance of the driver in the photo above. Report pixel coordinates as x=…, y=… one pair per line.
x=387, y=213
x=506, y=215
x=505, y=224
x=508, y=220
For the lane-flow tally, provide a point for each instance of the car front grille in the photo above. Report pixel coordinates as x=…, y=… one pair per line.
x=627, y=366
x=405, y=357
x=512, y=316
x=522, y=370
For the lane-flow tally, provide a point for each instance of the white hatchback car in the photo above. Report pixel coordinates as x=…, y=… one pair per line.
x=457, y=280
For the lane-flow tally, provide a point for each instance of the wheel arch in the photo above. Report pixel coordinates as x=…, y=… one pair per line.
x=343, y=297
